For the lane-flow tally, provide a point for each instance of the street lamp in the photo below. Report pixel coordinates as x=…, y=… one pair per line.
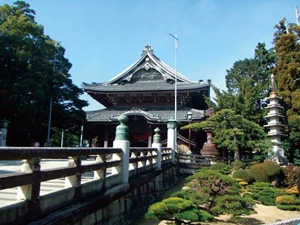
x=189, y=117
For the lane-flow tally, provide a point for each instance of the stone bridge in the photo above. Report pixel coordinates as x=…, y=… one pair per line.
x=115, y=187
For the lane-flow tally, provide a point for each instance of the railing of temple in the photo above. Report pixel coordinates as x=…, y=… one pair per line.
x=31, y=176
x=145, y=159
x=192, y=161
x=29, y=179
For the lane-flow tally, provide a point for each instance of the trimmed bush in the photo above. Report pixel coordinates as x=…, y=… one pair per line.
x=284, y=199
x=222, y=168
x=244, y=175
x=292, y=190
x=236, y=165
x=272, y=168
x=267, y=196
x=259, y=173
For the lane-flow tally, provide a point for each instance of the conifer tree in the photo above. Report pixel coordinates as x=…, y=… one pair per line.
x=34, y=71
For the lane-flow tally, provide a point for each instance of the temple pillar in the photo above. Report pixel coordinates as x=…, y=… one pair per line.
x=149, y=138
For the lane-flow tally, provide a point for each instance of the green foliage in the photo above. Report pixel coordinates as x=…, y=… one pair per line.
x=192, y=195
x=221, y=167
x=247, y=86
x=287, y=75
x=232, y=204
x=244, y=175
x=291, y=175
x=264, y=192
x=33, y=71
x=272, y=168
x=219, y=193
x=288, y=202
x=259, y=173
x=266, y=196
x=258, y=186
x=234, y=133
x=178, y=208
x=236, y=165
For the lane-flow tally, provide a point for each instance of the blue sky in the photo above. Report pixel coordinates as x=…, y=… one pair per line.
x=102, y=38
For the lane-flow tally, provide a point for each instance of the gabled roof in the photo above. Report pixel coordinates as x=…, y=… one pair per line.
x=146, y=76
x=146, y=61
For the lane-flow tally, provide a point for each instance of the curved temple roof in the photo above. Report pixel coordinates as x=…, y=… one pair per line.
x=147, y=73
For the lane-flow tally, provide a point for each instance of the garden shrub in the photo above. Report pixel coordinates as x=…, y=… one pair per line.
x=264, y=192
x=236, y=165
x=222, y=168
x=292, y=190
x=291, y=175
x=284, y=199
x=213, y=184
x=258, y=186
x=266, y=196
x=272, y=168
x=244, y=175
x=177, y=208
x=253, y=163
x=232, y=204
x=288, y=202
x=259, y=173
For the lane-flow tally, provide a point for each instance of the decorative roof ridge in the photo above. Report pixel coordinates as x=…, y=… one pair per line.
x=148, y=52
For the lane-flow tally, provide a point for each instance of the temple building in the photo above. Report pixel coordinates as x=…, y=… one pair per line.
x=145, y=92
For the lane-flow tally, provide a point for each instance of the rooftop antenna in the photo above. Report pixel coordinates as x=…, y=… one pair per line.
x=297, y=16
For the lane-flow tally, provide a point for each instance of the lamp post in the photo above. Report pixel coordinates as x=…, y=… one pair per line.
x=175, y=88
x=189, y=117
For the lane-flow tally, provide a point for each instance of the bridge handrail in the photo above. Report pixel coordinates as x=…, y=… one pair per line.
x=13, y=153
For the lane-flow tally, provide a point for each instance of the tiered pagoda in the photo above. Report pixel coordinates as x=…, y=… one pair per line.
x=275, y=125
x=145, y=93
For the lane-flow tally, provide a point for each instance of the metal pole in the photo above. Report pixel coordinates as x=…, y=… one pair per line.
x=175, y=91
x=62, y=139
x=49, y=123
x=81, y=136
x=175, y=88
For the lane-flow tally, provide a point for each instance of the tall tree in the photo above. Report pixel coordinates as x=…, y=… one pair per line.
x=34, y=71
x=287, y=74
x=248, y=81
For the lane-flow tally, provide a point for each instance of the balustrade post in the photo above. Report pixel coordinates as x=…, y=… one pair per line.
x=74, y=180
x=172, y=137
x=100, y=174
x=31, y=191
x=121, y=141
x=157, y=144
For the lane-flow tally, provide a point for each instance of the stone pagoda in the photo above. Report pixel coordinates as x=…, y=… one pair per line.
x=275, y=125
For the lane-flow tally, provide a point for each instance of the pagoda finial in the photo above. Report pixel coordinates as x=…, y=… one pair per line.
x=273, y=83
x=147, y=49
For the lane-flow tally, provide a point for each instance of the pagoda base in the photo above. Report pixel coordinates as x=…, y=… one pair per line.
x=210, y=149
